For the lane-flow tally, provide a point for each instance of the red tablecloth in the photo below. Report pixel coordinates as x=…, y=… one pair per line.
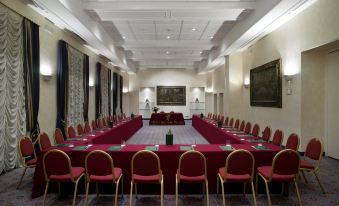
x=118, y=133
x=167, y=119
x=169, y=157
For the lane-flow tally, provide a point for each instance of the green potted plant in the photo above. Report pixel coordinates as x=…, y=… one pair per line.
x=155, y=109
x=219, y=123
x=201, y=115
x=110, y=123
x=132, y=115
x=169, y=138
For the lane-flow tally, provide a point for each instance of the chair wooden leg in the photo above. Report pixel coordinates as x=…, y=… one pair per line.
x=131, y=194
x=256, y=185
x=253, y=193
x=116, y=192
x=321, y=186
x=176, y=191
x=75, y=191
x=304, y=176
x=86, y=196
x=297, y=191
x=207, y=194
x=22, y=176
x=217, y=186
x=97, y=189
x=46, y=190
x=268, y=193
x=136, y=190
x=244, y=192
x=282, y=188
x=122, y=186
x=222, y=190
x=203, y=190
x=162, y=192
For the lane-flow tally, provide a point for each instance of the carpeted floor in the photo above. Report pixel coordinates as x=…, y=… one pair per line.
x=310, y=193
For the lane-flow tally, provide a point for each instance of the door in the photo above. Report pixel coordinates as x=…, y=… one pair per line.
x=332, y=104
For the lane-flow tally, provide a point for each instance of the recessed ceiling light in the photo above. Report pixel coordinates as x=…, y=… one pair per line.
x=201, y=52
x=167, y=52
x=124, y=37
x=168, y=37
x=211, y=37
x=194, y=29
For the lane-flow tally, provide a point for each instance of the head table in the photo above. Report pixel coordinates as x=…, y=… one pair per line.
x=169, y=155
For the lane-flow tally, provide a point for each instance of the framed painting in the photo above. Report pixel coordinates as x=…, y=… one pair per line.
x=266, y=85
x=171, y=95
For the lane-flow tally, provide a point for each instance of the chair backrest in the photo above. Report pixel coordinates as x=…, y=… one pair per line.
x=56, y=162
x=218, y=117
x=100, y=123
x=240, y=162
x=58, y=136
x=226, y=121
x=145, y=163
x=80, y=129
x=236, y=124
x=221, y=119
x=104, y=122
x=278, y=137
x=87, y=127
x=242, y=125
x=94, y=125
x=314, y=149
x=26, y=148
x=266, y=134
x=192, y=163
x=248, y=128
x=293, y=142
x=255, y=130
x=44, y=142
x=99, y=163
x=71, y=132
x=231, y=122
x=286, y=162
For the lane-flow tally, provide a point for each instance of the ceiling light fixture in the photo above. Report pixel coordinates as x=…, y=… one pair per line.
x=124, y=37
x=167, y=52
x=168, y=37
x=212, y=37
x=194, y=29
x=201, y=52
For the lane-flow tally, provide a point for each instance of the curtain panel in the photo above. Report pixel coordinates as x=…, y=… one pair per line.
x=12, y=93
x=97, y=91
x=121, y=88
x=31, y=66
x=115, y=92
x=102, y=91
x=86, y=87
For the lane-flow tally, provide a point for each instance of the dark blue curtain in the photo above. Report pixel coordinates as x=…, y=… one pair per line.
x=115, y=92
x=62, y=85
x=86, y=86
x=97, y=91
x=31, y=64
x=109, y=92
x=121, y=88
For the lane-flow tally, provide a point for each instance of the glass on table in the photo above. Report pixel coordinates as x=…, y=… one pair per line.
x=123, y=143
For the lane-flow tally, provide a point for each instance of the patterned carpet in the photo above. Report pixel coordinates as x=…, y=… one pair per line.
x=310, y=193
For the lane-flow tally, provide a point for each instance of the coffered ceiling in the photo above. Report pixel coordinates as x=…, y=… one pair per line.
x=142, y=34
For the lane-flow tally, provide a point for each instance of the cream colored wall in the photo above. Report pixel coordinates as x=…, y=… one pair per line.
x=315, y=26
x=166, y=77
x=48, y=58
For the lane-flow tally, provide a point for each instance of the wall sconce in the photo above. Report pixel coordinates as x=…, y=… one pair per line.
x=46, y=73
x=91, y=83
x=124, y=90
x=247, y=83
x=288, y=78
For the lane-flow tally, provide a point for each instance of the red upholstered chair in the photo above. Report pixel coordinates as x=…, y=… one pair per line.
x=236, y=124
x=71, y=132
x=226, y=121
x=314, y=151
x=94, y=125
x=285, y=168
x=145, y=169
x=87, y=127
x=293, y=142
x=242, y=125
x=44, y=142
x=58, y=136
x=192, y=169
x=104, y=122
x=278, y=137
x=266, y=134
x=255, y=130
x=80, y=129
x=231, y=122
x=58, y=168
x=100, y=124
x=100, y=169
x=239, y=168
x=247, y=129
x=27, y=155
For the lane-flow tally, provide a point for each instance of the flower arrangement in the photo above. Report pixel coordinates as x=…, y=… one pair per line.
x=155, y=109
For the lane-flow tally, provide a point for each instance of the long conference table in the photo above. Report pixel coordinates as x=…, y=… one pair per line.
x=171, y=118
x=215, y=154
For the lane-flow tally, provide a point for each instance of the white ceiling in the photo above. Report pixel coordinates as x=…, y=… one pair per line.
x=138, y=34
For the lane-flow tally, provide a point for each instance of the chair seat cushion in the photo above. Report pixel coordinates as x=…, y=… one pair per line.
x=147, y=179
x=192, y=179
x=106, y=178
x=76, y=172
x=234, y=178
x=31, y=162
x=306, y=165
x=266, y=172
